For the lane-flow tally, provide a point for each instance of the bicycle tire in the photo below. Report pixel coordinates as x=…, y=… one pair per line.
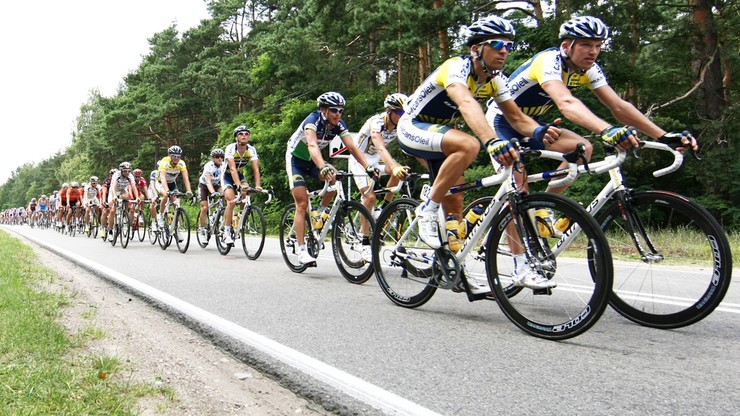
x=660, y=295
x=153, y=235
x=347, y=241
x=125, y=225
x=165, y=235
x=141, y=223
x=404, y=269
x=203, y=242
x=182, y=230
x=253, y=231
x=222, y=247
x=288, y=240
x=582, y=291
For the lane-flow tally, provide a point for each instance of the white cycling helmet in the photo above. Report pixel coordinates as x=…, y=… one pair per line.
x=584, y=27
x=489, y=27
x=330, y=99
x=395, y=101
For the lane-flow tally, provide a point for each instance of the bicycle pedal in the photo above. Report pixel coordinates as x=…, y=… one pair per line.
x=546, y=291
x=311, y=264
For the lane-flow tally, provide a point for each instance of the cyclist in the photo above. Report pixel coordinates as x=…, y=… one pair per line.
x=122, y=186
x=303, y=157
x=169, y=168
x=105, y=208
x=44, y=205
x=238, y=155
x=74, y=200
x=378, y=131
x=208, y=184
x=427, y=129
x=548, y=79
x=32, y=204
x=62, y=205
x=143, y=189
x=91, y=196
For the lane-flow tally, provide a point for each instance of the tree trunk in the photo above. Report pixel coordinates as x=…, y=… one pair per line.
x=710, y=96
x=633, y=51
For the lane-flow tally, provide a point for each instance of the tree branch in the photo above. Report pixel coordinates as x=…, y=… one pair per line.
x=656, y=107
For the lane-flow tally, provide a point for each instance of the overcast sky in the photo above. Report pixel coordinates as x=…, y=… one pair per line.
x=55, y=52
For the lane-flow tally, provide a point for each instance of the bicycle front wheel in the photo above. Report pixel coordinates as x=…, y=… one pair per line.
x=576, y=258
x=141, y=221
x=347, y=235
x=403, y=264
x=222, y=247
x=125, y=228
x=182, y=230
x=685, y=268
x=253, y=231
x=289, y=241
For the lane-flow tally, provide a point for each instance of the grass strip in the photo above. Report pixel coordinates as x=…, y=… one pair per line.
x=43, y=369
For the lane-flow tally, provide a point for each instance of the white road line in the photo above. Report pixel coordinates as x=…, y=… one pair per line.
x=371, y=394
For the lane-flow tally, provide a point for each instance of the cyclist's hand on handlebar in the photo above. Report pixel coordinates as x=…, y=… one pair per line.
x=258, y=189
x=503, y=151
x=327, y=172
x=549, y=133
x=216, y=194
x=622, y=137
x=680, y=141
x=401, y=172
x=373, y=172
x=188, y=195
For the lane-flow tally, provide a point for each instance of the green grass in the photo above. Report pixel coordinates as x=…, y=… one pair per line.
x=43, y=369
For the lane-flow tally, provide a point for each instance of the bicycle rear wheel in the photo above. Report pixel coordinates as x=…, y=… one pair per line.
x=582, y=268
x=686, y=275
x=289, y=241
x=347, y=238
x=403, y=264
x=203, y=240
x=253, y=232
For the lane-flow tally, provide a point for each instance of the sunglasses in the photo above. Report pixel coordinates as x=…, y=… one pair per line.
x=243, y=133
x=335, y=110
x=399, y=112
x=218, y=157
x=500, y=44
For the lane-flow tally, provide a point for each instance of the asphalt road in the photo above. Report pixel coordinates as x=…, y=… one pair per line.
x=448, y=357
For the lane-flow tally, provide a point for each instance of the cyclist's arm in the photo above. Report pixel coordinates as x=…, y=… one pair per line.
x=186, y=180
x=350, y=144
x=385, y=155
x=209, y=182
x=523, y=123
x=233, y=171
x=626, y=113
x=163, y=181
x=471, y=111
x=134, y=188
x=312, y=142
x=572, y=108
x=256, y=170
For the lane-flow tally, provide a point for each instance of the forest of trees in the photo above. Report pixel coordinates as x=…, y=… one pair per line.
x=263, y=63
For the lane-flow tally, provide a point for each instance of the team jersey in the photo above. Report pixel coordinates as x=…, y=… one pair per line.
x=91, y=192
x=141, y=183
x=240, y=159
x=120, y=183
x=62, y=195
x=172, y=172
x=297, y=145
x=154, y=176
x=430, y=102
x=214, y=172
x=375, y=124
x=75, y=194
x=526, y=82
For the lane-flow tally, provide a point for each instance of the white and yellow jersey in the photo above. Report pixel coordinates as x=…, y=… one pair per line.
x=430, y=102
x=375, y=124
x=525, y=83
x=172, y=172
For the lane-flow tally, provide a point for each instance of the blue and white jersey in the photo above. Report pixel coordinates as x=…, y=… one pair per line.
x=297, y=144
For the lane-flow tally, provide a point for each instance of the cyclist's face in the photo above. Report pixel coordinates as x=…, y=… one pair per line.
x=495, y=58
x=242, y=137
x=583, y=52
x=333, y=114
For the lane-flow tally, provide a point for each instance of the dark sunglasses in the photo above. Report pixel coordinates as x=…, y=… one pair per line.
x=399, y=112
x=336, y=110
x=218, y=157
x=500, y=44
x=244, y=133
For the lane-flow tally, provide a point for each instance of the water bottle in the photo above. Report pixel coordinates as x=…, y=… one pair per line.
x=316, y=220
x=471, y=218
x=325, y=215
x=453, y=226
